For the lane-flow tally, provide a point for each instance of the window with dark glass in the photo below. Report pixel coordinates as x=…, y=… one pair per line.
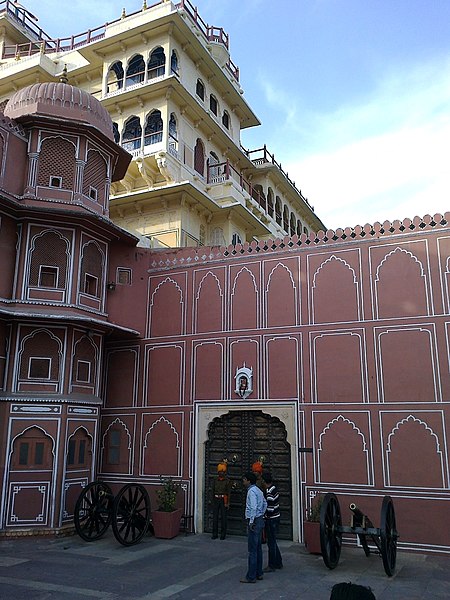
x=156, y=64
x=154, y=128
x=39, y=368
x=71, y=452
x=114, y=447
x=116, y=133
x=174, y=62
x=115, y=77
x=23, y=453
x=226, y=120
x=200, y=89
x=131, y=137
x=135, y=70
x=48, y=276
x=213, y=104
x=90, y=285
x=55, y=181
x=39, y=453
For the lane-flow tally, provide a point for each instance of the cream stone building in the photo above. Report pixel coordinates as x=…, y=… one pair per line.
x=174, y=94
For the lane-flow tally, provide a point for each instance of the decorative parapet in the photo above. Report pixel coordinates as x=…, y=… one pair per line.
x=182, y=257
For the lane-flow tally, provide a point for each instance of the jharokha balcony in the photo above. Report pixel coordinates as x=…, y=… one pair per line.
x=42, y=43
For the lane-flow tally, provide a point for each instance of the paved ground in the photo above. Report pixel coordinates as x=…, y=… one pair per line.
x=194, y=566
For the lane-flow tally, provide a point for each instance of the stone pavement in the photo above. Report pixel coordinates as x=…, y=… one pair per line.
x=196, y=567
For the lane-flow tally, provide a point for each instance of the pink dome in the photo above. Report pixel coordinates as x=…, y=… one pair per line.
x=60, y=100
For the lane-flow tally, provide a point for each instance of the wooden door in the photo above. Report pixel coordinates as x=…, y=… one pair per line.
x=243, y=437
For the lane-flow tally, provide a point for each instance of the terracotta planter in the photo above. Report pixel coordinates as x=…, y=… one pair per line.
x=167, y=524
x=311, y=535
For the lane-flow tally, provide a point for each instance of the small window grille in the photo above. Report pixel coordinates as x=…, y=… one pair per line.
x=236, y=239
x=55, y=182
x=39, y=368
x=48, y=277
x=93, y=193
x=91, y=285
x=83, y=371
x=124, y=276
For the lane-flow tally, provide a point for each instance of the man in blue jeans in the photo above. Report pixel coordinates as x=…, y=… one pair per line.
x=255, y=508
x=272, y=524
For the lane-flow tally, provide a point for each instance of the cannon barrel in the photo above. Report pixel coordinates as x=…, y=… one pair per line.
x=355, y=510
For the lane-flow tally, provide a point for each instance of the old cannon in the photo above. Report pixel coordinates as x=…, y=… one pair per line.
x=384, y=537
x=129, y=512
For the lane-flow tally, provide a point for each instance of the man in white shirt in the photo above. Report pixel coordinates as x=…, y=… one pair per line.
x=255, y=508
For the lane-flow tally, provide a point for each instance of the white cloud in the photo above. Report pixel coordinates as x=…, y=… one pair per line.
x=384, y=159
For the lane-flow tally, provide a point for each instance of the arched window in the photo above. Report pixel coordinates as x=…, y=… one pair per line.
x=278, y=209
x=91, y=271
x=174, y=63
x=135, y=70
x=259, y=196
x=199, y=157
x=213, y=105
x=305, y=230
x=115, y=77
x=33, y=450
x=131, y=136
x=286, y=218
x=156, y=64
x=154, y=128
x=173, y=134
x=200, y=89
x=213, y=161
x=116, y=133
x=49, y=260
x=270, y=207
x=299, y=227
x=226, y=120
x=236, y=239
x=292, y=224
x=79, y=452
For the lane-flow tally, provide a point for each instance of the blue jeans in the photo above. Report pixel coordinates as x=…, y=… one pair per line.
x=255, y=568
x=275, y=560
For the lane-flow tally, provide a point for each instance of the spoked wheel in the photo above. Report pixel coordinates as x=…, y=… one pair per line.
x=388, y=536
x=93, y=511
x=330, y=530
x=131, y=514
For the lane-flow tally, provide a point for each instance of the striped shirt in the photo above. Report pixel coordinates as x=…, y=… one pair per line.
x=273, y=506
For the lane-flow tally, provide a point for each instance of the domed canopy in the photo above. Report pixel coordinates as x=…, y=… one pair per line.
x=60, y=100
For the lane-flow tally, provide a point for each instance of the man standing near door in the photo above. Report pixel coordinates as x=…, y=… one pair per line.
x=272, y=524
x=255, y=508
x=221, y=489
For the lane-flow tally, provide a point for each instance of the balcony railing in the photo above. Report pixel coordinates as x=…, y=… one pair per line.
x=262, y=156
x=44, y=44
x=220, y=172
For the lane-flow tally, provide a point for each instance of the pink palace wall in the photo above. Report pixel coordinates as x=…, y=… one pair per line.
x=352, y=326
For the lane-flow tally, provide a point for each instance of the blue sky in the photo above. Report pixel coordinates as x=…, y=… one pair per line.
x=353, y=95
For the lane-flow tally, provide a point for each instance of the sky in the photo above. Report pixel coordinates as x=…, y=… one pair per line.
x=353, y=95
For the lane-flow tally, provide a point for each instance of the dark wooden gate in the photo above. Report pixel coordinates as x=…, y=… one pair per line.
x=243, y=437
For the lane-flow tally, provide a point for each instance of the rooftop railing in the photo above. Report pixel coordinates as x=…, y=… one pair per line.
x=44, y=44
x=262, y=156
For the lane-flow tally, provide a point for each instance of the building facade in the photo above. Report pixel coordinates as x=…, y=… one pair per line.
x=324, y=355
x=173, y=92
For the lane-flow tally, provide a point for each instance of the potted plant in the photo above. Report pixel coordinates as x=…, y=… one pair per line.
x=311, y=526
x=167, y=518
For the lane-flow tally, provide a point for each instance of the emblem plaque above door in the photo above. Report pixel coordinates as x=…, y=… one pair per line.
x=244, y=382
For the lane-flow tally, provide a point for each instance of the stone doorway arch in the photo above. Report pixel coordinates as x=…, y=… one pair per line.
x=242, y=433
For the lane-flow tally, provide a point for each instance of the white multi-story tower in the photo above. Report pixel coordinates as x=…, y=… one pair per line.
x=173, y=92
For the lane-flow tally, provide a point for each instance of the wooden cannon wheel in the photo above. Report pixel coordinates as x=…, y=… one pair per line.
x=131, y=514
x=93, y=511
x=388, y=536
x=330, y=530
